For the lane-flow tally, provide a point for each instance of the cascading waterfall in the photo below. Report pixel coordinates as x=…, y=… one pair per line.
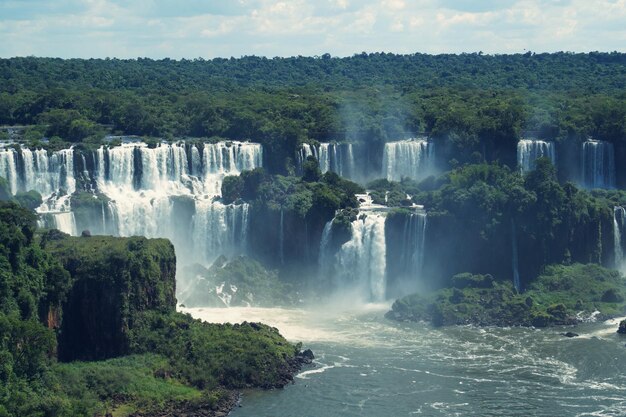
x=8, y=168
x=381, y=256
x=528, y=151
x=414, y=241
x=334, y=157
x=598, y=162
x=361, y=262
x=619, y=221
x=50, y=174
x=165, y=191
x=413, y=158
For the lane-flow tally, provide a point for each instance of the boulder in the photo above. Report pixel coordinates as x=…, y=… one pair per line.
x=622, y=327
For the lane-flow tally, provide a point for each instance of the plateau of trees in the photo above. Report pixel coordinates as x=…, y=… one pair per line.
x=467, y=98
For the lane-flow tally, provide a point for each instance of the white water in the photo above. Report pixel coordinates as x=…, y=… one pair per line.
x=598, y=162
x=528, y=151
x=619, y=222
x=144, y=186
x=368, y=366
x=50, y=174
x=362, y=260
x=359, y=267
x=334, y=157
x=413, y=158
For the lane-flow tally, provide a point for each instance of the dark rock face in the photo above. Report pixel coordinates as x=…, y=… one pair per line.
x=306, y=356
x=113, y=279
x=622, y=327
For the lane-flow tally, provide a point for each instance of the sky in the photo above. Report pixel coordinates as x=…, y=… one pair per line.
x=233, y=28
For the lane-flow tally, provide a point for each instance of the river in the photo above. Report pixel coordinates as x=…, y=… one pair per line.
x=368, y=366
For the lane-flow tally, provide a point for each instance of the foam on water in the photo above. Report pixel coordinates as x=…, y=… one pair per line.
x=368, y=366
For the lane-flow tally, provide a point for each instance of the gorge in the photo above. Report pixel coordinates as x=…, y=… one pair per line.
x=445, y=232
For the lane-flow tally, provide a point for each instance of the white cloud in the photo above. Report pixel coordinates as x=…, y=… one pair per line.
x=160, y=28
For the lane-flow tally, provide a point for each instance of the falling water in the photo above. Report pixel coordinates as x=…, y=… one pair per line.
x=619, y=221
x=528, y=151
x=360, y=263
x=334, y=157
x=170, y=191
x=414, y=238
x=598, y=161
x=411, y=158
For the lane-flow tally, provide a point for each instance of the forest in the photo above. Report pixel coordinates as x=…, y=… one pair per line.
x=475, y=102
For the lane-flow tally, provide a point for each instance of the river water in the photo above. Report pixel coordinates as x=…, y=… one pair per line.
x=369, y=366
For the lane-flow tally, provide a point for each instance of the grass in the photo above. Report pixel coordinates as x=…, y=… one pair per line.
x=125, y=384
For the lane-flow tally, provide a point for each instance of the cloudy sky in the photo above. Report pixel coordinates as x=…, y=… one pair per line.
x=225, y=28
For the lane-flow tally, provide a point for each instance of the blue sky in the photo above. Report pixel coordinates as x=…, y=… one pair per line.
x=225, y=28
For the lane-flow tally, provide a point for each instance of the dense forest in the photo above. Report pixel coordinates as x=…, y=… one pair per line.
x=88, y=327
x=470, y=102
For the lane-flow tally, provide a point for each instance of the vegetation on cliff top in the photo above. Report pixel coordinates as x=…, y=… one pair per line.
x=64, y=298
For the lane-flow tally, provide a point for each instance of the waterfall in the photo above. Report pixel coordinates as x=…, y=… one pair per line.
x=515, y=257
x=413, y=158
x=66, y=223
x=598, y=162
x=334, y=157
x=619, y=221
x=528, y=151
x=362, y=260
x=47, y=173
x=170, y=191
x=414, y=239
x=219, y=229
x=360, y=263
x=8, y=169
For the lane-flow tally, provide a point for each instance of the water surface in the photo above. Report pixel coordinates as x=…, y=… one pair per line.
x=369, y=366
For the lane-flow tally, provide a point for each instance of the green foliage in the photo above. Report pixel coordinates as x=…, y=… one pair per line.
x=311, y=170
x=208, y=355
x=30, y=200
x=95, y=297
x=5, y=190
x=561, y=295
x=232, y=188
x=467, y=100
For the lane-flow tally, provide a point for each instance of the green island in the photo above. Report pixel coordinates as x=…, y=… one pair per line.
x=562, y=295
x=88, y=327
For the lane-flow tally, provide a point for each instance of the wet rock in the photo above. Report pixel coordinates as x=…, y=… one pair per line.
x=622, y=327
x=570, y=334
x=306, y=357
